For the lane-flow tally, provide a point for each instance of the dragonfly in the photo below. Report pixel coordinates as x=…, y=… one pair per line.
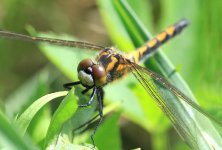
x=110, y=65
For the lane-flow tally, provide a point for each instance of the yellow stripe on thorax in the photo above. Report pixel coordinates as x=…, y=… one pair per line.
x=111, y=64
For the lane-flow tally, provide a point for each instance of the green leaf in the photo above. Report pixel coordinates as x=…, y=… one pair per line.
x=10, y=138
x=110, y=128
x=26, y=117
x=65, y=111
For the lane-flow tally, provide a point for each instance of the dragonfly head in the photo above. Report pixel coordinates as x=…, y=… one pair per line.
x=91, y=74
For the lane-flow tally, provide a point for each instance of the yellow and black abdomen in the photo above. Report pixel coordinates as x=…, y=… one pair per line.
x=156, y=42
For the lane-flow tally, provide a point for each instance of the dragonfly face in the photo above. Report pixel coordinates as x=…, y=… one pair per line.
x=91, y=74
x=108, y=67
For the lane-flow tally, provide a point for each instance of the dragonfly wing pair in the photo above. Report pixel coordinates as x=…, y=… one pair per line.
x=174, y=104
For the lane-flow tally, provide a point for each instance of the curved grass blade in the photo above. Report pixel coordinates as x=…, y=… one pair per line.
x=10, y=138
x=26, y=117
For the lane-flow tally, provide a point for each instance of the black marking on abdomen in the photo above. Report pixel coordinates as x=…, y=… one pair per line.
x=160, y=39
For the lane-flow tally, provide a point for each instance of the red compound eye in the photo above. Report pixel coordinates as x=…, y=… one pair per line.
x=84, y=64
x=99, y=75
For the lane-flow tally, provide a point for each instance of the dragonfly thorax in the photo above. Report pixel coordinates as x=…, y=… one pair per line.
x=91, y=74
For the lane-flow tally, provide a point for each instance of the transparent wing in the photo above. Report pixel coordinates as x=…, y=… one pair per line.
x=77, y=44
x=171, y=101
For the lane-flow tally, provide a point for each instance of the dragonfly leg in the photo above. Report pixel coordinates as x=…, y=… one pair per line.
x=91, y=98
x=70, y=85
x=86, y=90
x=99, y=94
x=84, y=124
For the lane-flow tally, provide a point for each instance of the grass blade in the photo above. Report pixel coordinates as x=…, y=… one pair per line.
x=26, y=117
x=11, y=139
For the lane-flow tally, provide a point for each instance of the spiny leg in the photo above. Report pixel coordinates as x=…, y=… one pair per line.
x=70, y=85
x=91, y=98
x=83, y=125
x=86, y=123
x=86, y=90
x=99, y=94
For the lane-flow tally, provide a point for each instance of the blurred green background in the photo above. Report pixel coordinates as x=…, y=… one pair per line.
x=196, y=53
